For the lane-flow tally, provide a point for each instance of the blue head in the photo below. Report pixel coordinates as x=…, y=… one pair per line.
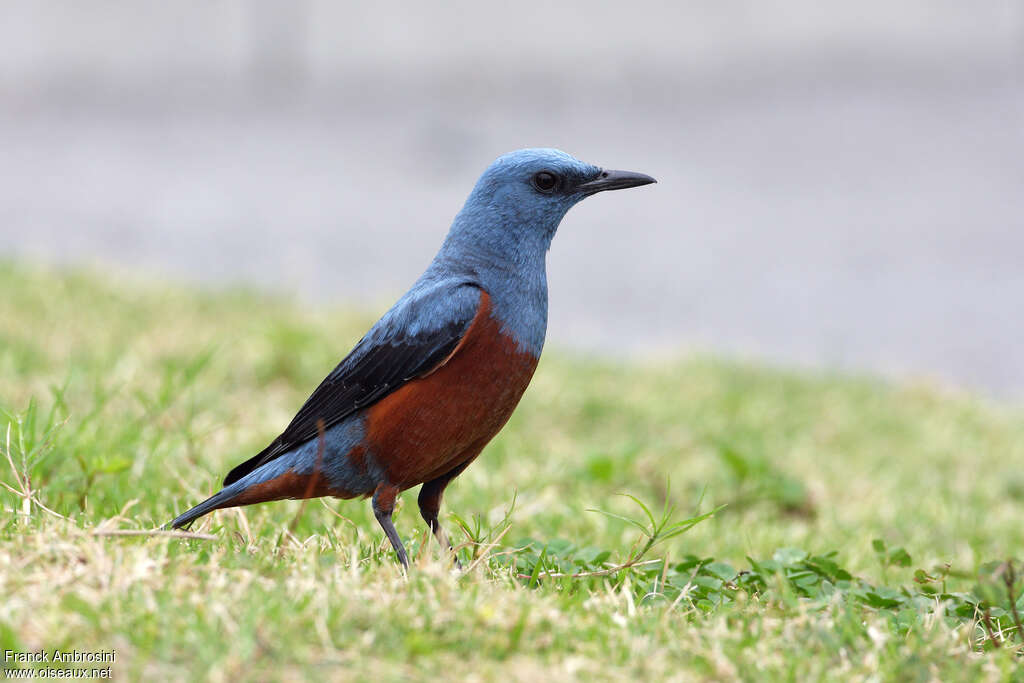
x=514, y=210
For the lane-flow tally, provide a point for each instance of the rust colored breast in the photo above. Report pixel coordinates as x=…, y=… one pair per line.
x=435, y=423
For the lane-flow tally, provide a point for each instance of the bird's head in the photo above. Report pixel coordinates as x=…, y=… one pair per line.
x=521, y=198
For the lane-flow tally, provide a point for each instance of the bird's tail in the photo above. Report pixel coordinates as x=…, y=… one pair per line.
x=275, y=480
x=218, y=500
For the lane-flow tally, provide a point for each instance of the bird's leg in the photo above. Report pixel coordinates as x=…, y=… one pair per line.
x=430, y=505
x=383, y=506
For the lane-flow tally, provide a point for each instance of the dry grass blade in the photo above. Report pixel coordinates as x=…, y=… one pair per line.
x=598, y=572
x=485, y=553
x=986, y=619
x=21, y=479
x=154, y=532
x=7, y=453
x=243, y=521
x=48, y=510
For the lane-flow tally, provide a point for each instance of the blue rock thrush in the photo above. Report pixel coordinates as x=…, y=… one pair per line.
x=440, y=373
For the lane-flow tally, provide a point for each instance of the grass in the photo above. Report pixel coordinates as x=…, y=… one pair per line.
x=859, y=529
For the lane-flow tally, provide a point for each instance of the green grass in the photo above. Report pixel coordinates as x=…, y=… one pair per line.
x=858, y=525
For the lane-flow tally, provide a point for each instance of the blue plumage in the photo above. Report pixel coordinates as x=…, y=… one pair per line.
x=503, y=233
x=480, y=306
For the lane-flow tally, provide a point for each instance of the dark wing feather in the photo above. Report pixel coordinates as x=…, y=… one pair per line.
x=386, y=358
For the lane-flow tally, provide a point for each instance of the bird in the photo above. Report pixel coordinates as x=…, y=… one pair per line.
x=438, y=376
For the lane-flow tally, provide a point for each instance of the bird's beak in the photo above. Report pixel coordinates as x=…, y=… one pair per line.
x=614, y=180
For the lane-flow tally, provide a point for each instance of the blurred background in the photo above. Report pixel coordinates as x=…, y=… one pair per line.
x=841, y=184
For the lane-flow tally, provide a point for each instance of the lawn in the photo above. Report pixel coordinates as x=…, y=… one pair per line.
x=860, y=529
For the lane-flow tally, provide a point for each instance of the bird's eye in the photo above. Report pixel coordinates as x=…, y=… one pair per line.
x=545, y=181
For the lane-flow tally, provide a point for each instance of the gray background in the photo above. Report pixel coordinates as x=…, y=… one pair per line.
x=840, y=184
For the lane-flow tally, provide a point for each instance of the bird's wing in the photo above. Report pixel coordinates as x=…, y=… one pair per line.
x=414, y=338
